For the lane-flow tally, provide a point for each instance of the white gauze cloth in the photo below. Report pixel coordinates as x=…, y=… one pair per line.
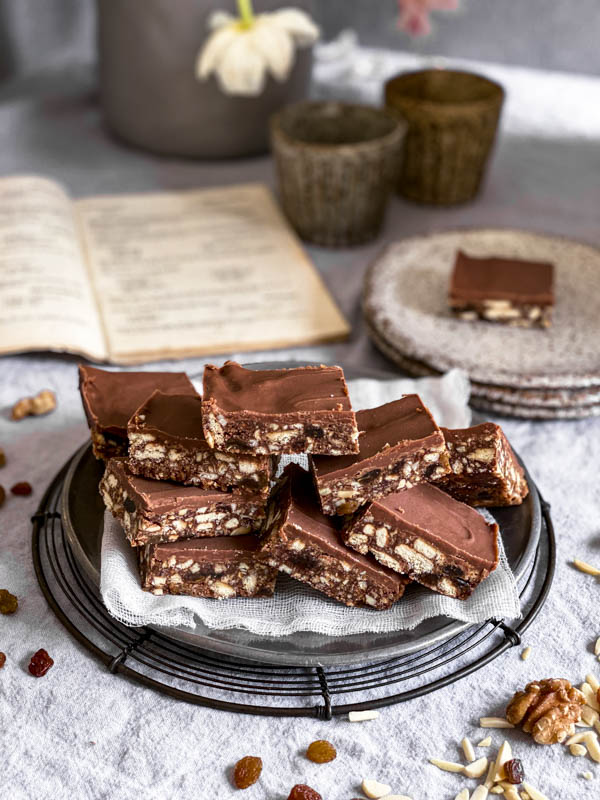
x=295, y=606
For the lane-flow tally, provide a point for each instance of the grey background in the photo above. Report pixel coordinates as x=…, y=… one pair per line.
x=45, y=35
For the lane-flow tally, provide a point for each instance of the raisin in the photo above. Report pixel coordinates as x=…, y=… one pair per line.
x=321, y=751
x=247, y=771
x=303, y=792
x=23, y=488
x=8, y=602
x=514, y=771
x=40, y=663
x=129, y=506
x=314, y=431
x=2, y=660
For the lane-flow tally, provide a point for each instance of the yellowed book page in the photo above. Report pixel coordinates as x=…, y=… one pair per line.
x=202, y=271
x=46, y=302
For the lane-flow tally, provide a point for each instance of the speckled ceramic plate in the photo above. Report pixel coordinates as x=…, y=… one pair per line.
x=405, y=303
x=525, y=404
x=83, y=514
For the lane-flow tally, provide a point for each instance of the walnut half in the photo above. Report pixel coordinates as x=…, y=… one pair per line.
x=547, y=709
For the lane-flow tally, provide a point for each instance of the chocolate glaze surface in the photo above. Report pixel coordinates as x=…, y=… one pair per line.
x=172, y=416
x=453, y=526
x=400, y=425
x=276, y=391
x=210, y=549
x=110, y=398
x=299, y=497
x=501, y=279
x=160, y=497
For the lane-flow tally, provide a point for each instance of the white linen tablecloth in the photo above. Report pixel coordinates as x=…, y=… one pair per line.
x=82, y=732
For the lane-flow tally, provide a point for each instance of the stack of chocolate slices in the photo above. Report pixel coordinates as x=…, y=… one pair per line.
x=387, y=500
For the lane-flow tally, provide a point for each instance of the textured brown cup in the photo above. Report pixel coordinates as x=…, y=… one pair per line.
x=452, y=120
x=337, y=165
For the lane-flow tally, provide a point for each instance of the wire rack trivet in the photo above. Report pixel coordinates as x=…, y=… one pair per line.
x=217, y=681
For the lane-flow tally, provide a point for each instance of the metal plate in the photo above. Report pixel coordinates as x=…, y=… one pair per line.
x=83, y=513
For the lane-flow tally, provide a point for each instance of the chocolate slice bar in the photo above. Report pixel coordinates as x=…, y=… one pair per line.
x=302, y=542
x=167, y=443
x=484, y=469
x=110, y=398
x=158, y=511
x=503, y=290
x=400, y=446
x=426, y=534
x=223, y=567
x=301, y=410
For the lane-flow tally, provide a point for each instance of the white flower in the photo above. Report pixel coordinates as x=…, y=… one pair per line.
x=241, y=51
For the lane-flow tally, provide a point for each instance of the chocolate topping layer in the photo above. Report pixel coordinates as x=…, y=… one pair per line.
x=402, y=421
x=172, y=416
x=276, y=391
x=160, y=497
x=299, y=498
x=501, y=279
x=111, y=398
x=216, y=547
x=453, y=526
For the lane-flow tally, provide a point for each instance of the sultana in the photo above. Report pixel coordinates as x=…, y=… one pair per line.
x=321, y=751
x=247, y=771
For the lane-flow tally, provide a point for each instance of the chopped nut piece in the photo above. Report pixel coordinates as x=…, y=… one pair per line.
x=447, y=766
x=495, y=722
x=362, y=716
x=485, y=742
x=468, y=749
x=533, y=793
x=476, y=769
x=578, y=750
x=489, y=779
x=591, y=740
x=590, y=696
x=593, y=681
x=526, y=653
x=587, y=568
x=587, y=775
x=575, y=739
x=462, y=795
x=41, y=403
x=480, y=793
x=373, y=789
x=504, y=755
x=589, y=716
x=547, y=709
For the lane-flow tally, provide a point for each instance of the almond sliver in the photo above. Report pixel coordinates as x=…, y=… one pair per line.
x=447, y=766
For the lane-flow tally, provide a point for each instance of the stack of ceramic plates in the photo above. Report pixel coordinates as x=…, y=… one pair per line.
x=536, y=373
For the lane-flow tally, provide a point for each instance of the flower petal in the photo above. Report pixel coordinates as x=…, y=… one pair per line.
x=275, y=45
x=242, y=68
x=298, y=24
x=213, y=51
x=219, y=19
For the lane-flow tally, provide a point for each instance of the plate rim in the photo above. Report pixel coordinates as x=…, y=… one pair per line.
x=206, y=641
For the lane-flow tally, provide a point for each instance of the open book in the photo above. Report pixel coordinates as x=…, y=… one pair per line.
x=134, y=278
